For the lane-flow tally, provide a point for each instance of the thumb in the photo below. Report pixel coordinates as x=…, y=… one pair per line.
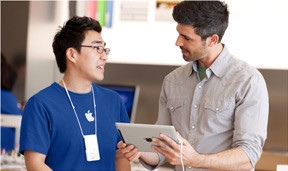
x=121, y=144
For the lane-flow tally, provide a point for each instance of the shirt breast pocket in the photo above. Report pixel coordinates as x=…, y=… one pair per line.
x=176, y=109
x=219, y=115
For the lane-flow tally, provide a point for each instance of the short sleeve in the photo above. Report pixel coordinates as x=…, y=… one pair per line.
x=34, y=134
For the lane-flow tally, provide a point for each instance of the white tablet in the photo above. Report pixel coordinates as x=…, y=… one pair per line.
x=140, y=135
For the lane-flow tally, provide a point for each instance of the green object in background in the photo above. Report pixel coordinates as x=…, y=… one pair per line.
x=101, y=12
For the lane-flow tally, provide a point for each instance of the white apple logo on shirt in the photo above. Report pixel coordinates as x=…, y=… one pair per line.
x=89, y=116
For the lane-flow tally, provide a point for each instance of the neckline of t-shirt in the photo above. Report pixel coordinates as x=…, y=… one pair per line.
x=58, y=86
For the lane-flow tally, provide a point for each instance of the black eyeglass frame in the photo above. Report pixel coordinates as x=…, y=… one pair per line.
x=99, y=49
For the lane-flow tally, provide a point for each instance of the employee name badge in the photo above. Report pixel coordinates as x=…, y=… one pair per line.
x=91, y=145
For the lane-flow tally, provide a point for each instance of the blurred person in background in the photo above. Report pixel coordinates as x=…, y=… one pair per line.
x=18, y=62
x=9, y=103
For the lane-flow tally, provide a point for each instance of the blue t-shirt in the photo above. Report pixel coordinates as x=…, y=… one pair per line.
x=8, y=106
x=49, y=126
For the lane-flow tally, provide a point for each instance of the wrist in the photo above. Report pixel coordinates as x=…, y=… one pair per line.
x=201, y=160
x=198, y=161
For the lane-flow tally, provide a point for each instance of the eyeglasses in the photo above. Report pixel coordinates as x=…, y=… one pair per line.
x=99, y=49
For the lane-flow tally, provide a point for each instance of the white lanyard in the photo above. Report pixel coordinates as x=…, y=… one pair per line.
x=75, y=110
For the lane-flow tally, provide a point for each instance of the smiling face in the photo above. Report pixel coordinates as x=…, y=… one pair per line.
x=90, y=63
x=191, y=44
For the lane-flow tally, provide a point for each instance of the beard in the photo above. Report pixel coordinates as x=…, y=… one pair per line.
x=199, y=53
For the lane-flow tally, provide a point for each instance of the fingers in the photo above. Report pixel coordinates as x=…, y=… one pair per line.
x=124, y=148
x=121, y=145
x=133, y=155
x=169, y=140
x=129, y=152
x=164, y=146
x=171, y=154
x=127, y=149
x=160, y=150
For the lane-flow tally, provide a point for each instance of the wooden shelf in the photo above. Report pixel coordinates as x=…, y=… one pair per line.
x=270, y=160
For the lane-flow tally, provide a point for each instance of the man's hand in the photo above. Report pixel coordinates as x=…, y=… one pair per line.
x=129, y=152
x=172, y=154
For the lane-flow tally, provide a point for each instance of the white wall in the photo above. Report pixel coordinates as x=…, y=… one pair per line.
x=43, y=22
x=257, y=33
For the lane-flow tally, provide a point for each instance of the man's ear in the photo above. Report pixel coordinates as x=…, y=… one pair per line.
x=212, y=40
x=71, y=54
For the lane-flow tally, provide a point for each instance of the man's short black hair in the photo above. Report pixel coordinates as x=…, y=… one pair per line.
x=207, y=17
x=72, y=34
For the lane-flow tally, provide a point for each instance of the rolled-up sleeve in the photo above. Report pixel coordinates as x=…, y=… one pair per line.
x=251, y=118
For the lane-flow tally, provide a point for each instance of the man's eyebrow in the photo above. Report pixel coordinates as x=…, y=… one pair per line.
x=98, y=41
x=183, y=35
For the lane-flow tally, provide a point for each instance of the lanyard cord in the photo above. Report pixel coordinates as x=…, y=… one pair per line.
x=94, y=105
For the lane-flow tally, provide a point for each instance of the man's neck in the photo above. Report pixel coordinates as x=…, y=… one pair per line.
x=212, y=56
x=75, y=84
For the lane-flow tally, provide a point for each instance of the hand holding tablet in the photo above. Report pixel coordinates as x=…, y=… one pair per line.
x=140, y=135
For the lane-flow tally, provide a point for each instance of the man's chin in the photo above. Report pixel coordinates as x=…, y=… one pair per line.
x=186, y=58
x=100, y=78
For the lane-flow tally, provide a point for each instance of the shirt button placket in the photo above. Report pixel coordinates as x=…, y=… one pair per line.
x=195, y=111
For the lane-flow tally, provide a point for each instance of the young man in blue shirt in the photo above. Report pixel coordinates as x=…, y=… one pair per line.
x=70, y=125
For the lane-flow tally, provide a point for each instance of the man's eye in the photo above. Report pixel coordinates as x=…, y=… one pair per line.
x=186, y=38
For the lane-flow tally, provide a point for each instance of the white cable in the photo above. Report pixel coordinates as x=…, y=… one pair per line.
x=181, y=154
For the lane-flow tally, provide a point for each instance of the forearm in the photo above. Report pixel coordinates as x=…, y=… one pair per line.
x=150, y=158
x=121, y=163
x=234, y=159
x=35, y=161
x=37, y=166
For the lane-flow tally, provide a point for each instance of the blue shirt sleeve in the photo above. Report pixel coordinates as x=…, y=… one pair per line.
x=9, y=103
x=34, y=134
